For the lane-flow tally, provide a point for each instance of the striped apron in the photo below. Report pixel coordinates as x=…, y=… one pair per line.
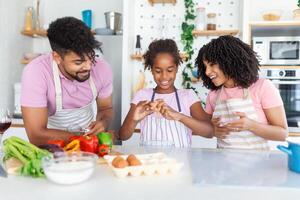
x=71, y=119
x=155, y=127
x=242, y=139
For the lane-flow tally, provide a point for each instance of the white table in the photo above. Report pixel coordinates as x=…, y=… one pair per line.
x=207, y=174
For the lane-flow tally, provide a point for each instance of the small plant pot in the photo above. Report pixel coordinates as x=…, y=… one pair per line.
x=296, y=14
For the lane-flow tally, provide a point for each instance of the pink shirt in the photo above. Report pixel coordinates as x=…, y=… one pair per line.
x=186, y=97
x=263, y=94
x=38, y=85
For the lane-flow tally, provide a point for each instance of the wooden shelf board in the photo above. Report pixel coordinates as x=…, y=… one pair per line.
x=280, y=67
x=25, y=62
x=152, y=2
x=294, y=134
x=41, y=33
x=140, y=56
x=35, y=33
x=274, y=23
x=215, y=32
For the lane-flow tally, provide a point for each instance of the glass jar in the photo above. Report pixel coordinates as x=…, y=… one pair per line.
x=211, y=21
x=28, y=26
x=200, y=20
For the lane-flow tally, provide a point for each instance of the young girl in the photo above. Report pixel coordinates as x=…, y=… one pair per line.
x=164, y=112
x=246, y=110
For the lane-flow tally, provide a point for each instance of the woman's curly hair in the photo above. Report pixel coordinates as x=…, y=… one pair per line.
x=236, y=60
x=161, y=46
x=69, y=34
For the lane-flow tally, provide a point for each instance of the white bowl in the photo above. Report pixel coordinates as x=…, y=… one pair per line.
x=272, y=15
x=69, y=168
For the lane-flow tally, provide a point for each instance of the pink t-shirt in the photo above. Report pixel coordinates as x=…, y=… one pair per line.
x=263, y=94
x=38, y=85
x=186, y=98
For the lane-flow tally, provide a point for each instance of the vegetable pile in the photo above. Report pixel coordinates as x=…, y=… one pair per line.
x=100, y=144
x=27, y=153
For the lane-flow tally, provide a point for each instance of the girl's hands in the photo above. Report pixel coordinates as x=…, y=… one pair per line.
x=170, y=114
x=142, y=110
x=159, y=106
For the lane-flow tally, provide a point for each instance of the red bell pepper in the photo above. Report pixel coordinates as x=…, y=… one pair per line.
x=89, y=143
x=103, y=150
x=59, y=143
x=74, y=137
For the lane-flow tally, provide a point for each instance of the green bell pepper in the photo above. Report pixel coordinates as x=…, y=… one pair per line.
x=105, y=138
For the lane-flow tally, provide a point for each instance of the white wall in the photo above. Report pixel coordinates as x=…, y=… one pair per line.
x=257, y=7
x=53, y=9
x=12, y=46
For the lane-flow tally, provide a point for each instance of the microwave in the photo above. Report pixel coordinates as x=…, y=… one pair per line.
x=277, y=50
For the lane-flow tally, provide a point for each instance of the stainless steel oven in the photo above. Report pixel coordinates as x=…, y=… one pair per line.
x=288, y=83
x=277, y=50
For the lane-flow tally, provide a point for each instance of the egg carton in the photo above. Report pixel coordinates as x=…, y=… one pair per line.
x=152, y=164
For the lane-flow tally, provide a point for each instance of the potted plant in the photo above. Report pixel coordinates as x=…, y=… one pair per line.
x=296, y=12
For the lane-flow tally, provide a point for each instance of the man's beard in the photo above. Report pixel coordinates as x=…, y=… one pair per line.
x=79, y=78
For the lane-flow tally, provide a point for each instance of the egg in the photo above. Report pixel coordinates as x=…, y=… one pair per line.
x=116, y=160
x=135, y=162
x=121, y=163
x=130, y=157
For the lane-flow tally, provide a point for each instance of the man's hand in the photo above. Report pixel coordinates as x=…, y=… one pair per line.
x=96, y=127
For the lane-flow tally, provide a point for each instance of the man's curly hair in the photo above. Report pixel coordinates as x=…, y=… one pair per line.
x=161, y=46
x=236, y=60
x=69, y=34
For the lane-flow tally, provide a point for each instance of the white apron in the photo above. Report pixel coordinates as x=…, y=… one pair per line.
x=70, y=119
x=155, y=127
x=241, y=139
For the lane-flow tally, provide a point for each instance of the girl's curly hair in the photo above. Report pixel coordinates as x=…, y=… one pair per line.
x=236, y=60
x=69, y=34
x=161, y=46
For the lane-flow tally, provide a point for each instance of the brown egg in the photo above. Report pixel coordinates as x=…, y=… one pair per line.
x=121, y=164
x=131, y=157
x=135, y=162
x=116, y=160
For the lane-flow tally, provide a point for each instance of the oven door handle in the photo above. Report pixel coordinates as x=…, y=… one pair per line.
x=286, y=82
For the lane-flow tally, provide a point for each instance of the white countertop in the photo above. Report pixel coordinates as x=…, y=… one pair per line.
x=207, y=174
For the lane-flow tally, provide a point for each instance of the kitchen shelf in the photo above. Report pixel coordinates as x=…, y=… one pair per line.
x=274, y=23
x=139, y=57
x=152, y=2
x=41, y=33
x=280, y=66
x=25, y=62
x=215, y=32
x=274, y=26
x=35, y=33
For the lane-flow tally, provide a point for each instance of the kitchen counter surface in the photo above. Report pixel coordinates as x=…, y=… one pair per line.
x=207, y=174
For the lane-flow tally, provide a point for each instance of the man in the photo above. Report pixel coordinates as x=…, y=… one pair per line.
x=59, y=89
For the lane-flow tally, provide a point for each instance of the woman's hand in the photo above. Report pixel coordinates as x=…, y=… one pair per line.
x=220, y=130
x=242, y=124
x=142, y=110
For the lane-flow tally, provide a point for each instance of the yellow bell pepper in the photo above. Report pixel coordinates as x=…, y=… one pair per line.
x=73, y=146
